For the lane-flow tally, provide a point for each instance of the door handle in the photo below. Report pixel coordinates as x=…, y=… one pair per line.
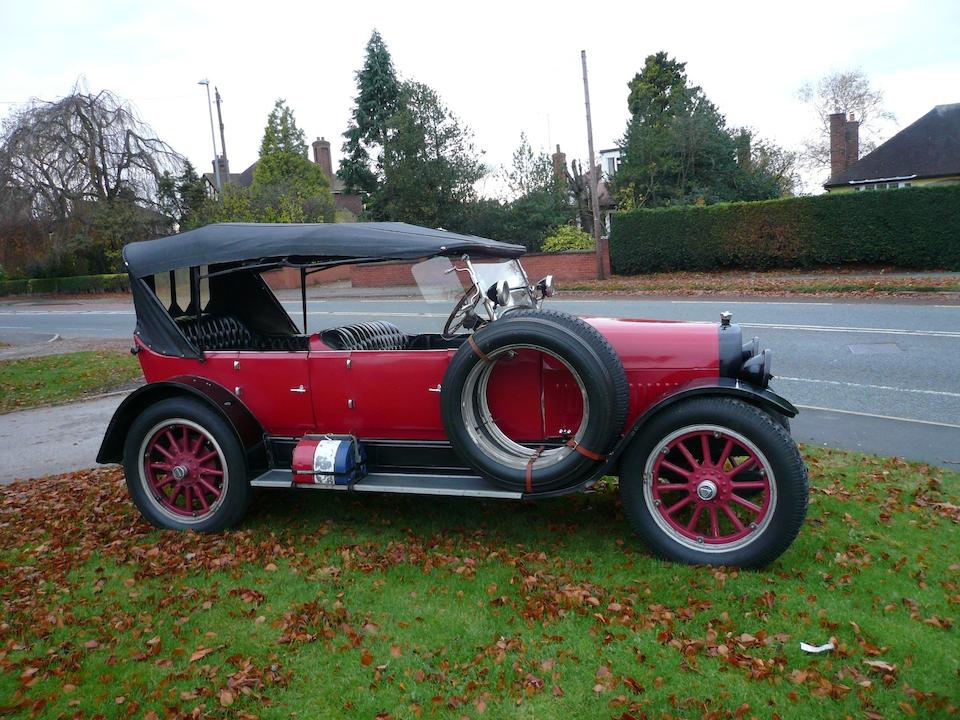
x=435, y=389
x=300, y=389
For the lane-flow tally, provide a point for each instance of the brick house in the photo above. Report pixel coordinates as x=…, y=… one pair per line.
x=924, y=153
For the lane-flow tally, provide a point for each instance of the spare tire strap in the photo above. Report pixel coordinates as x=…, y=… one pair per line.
x=476, y=348
x=530, y=462
x=586, y=453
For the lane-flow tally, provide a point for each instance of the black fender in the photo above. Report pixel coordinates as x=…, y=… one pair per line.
x=715, y=386
x=246, y=426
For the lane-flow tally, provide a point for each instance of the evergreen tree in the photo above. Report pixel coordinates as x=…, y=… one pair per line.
x=283, y=155
x=678, y=149
x=430, y=166
x=366, y=138
x=182, y=195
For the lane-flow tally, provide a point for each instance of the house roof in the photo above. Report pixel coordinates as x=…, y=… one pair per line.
x=243, y=179
x=930, y=147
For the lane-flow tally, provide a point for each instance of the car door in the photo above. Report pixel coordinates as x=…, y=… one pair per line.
x=388, y=394
x=276, y=388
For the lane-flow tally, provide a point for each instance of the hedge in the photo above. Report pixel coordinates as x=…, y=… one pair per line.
x=909, y=228
x=77, y=284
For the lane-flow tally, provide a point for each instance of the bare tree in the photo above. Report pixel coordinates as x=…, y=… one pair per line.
x=847, y=92
x=83, y=148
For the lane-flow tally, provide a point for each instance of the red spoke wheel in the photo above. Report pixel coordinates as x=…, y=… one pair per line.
x=185, y=467
x=715, y=481
x=710, y=488
x=184, y=470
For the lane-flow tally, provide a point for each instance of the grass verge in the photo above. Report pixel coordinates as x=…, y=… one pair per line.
x=740, y=283
x=330, y=605
x=32, y=382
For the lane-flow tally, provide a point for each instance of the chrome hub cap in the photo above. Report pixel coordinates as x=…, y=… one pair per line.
x=707, y=490
x=180, y=472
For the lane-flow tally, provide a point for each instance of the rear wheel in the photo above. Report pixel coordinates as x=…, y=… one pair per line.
x=185, y=468
x=715, y=481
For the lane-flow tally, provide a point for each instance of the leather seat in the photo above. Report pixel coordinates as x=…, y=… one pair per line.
x=217, y=332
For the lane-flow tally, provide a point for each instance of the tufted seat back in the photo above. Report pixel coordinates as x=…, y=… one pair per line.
x=217, y=332
x=377, y=335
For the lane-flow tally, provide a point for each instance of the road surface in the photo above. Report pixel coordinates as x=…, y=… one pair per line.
x=878, y=377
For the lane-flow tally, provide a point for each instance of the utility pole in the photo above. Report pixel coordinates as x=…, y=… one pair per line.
x=594, y=181
x=213, y=139
x=223, y=142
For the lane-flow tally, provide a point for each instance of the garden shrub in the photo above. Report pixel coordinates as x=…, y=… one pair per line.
x=565, y=238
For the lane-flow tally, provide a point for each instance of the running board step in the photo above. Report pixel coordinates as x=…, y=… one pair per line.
x=400, y=483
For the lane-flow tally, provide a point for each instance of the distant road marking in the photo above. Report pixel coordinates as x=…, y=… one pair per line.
x=739, y=302
x=378, y=313
x=67, y=312
x=943, y=393
x=881, y=417
x=842, y=329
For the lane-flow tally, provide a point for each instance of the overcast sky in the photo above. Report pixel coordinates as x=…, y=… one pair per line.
x=502, y=67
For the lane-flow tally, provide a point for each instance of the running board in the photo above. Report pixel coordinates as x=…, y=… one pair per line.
x=400, y=483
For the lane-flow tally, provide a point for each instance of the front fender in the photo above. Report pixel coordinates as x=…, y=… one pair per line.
x=248, y=429
x=724, y=387
x=715, y=386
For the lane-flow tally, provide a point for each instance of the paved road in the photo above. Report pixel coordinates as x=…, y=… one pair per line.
x=47, y=441
x=881, y=377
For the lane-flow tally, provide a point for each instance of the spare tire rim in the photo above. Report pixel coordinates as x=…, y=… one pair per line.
x=709, y=488
x=481, y=425
x=183, y=470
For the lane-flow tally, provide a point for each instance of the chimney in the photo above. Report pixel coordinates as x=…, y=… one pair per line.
x=321, y=156
x=851, y=139
x=838, y=152
x=560, y=166
x=844, y=142
x=224, y=169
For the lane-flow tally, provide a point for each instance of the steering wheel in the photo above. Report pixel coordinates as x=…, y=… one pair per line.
x=459, y=314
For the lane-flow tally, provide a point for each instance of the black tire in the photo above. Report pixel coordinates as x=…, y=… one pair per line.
x=656, y=475
x=596, y=340
x=208, y=455
x=480, y=443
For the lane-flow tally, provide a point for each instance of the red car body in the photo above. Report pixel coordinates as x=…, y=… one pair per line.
x=664, y=357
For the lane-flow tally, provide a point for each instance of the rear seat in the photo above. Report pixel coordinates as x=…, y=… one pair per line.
x=217, y=332
x=225, y=332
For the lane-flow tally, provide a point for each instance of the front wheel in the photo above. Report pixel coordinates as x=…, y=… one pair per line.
x=185, y=467
x=715, y=481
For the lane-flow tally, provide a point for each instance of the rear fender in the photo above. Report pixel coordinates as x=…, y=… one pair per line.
x=248, y=430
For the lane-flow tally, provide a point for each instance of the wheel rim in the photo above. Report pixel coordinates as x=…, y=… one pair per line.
x=710, y=488
x=481, y=425
x=183, y=470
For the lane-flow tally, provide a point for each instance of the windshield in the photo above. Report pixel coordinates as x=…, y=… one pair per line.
x=438, y=281
x=489, y=274
x=442, y=281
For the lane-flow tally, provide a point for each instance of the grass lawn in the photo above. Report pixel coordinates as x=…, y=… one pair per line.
x=772, y=283
x=60, y=378
x=328, y=605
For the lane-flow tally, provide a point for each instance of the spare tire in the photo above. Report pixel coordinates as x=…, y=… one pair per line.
x=474, y=432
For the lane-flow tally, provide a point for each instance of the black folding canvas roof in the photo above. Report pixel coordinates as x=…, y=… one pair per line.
x=300, y=244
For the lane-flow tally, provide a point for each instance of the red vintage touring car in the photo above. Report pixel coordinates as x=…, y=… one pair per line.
x=508, y=400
